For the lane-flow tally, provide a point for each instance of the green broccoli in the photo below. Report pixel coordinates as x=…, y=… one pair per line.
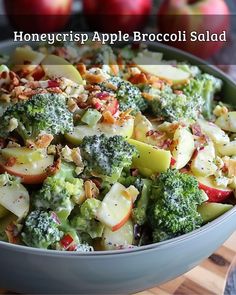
x=128, y=95
x=173, y=106
x=59, y=192
x=41, y=229
x=71, y=241
x=139, y=212
x=172, y=209
x=106, y=156
x=204, y=86
x=85, y=222
x=42, y=113
x=127, y=180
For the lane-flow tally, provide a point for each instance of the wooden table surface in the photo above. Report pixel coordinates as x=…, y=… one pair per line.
x=209, y=278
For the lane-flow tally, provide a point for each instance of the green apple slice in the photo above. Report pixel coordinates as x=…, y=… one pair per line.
x=151, y=160
x=79, y=132
x=57, y=67
x=23, y=56
x=122, y=237
x=23, y=155
x=149, y=64
x=210, y=211
x=184, y=148
x=15, y=198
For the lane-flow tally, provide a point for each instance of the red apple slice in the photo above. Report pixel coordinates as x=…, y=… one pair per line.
x=214, y=192
x=30, y=173
x=116, y=207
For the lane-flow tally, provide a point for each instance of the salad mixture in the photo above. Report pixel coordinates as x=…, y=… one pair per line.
x=101, y=149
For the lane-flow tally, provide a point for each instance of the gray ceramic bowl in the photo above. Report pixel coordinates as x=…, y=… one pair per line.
x=31, y=270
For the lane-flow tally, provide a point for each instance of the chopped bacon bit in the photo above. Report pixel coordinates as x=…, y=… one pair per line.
x=147, y=96
x=108, y=118
x=3, y=75
x=155, y=133
x=195, y=153
x=97, y=182
x=81, y=68
x=2, y=143
x=12, y=233
x=138, y=79
x=103, y=95
x=150, y=133
x=178, y=92
x=166, y=144
x=113, y=106
x=11, y=162
x=53, y=84
x=225, y=168
x=97, y=104
x=54, y=168
x=134, y=172
x=38, y=73
x=196, y=129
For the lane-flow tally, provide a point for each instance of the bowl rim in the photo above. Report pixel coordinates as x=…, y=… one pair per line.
x=134, y=250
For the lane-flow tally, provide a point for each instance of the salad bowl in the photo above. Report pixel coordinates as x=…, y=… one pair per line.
x=30, y=270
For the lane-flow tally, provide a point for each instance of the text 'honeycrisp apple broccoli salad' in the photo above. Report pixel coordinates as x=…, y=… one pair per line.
x=106, y=149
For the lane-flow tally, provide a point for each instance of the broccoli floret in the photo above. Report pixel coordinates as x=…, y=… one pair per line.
x=42, y=113
x=127, y=180
x=104, y=56
x=204, y=86
x=59, y=192
x=107, y=156
x=85, y=222
x=128, y=95
x=172, y=210
x=41, y=229
x=71, y=241
x=140, y=211
x=173, y=106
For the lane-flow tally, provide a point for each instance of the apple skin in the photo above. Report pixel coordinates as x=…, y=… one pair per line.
x=184, y=15
x=38, y=16
x=29, y=174
x=26, y=179
x=214, y=194
x=117, y=15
